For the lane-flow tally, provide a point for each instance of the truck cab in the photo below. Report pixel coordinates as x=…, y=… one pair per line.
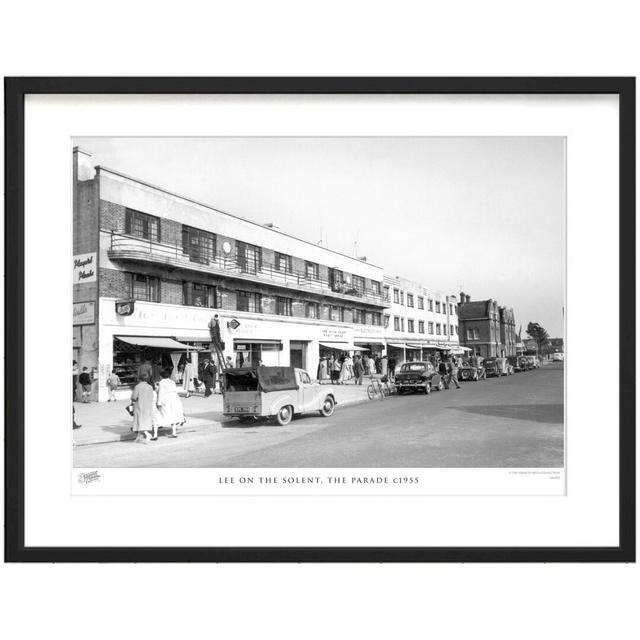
x=273, y=392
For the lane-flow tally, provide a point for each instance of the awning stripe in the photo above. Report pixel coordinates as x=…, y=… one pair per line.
x=152, y=341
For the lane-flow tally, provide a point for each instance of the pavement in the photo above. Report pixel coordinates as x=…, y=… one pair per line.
x=515, y=421
x=104, y=422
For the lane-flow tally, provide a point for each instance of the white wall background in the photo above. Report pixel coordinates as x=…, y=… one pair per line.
x=332, y=38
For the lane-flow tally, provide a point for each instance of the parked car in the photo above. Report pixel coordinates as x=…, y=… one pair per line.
x=497, y=367
x=273, y=392
x=558, y=357
x=469, y=371
x=533, y=361
x=414, y=376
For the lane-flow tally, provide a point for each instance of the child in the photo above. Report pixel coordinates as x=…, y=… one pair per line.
x=85, y=381
x=170, y=413
x=113, y=382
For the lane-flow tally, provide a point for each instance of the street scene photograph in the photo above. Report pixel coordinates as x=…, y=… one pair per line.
x=319, y=302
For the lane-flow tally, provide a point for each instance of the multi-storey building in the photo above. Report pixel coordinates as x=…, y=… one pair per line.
x=486, y=327
x=419, y=321
x=151, y=268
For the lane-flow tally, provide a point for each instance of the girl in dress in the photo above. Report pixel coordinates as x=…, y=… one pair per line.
x=170, y=412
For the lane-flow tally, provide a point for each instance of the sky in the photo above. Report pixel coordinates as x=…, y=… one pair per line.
x=481, y=215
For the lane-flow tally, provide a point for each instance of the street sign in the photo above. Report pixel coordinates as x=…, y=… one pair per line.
x=233, y=324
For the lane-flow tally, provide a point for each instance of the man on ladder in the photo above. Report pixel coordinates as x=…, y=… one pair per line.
x=217, y=346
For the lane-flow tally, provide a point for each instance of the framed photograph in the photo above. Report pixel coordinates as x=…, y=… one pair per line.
x=320, y=319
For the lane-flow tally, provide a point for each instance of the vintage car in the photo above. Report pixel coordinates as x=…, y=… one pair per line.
x=469, y=370
x=558, y=357
x=497, y=367
x=533, y=362
x=273, y=392
x=514, y=363
x=419, y=375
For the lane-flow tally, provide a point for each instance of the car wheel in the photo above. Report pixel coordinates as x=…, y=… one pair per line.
x=440, y=385
x=427, y=388
x=284, y=415
x=328, y=407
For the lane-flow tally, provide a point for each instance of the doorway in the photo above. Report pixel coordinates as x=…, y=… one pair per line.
x=297, y=354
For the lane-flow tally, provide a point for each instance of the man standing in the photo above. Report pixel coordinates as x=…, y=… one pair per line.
x=208, y=377
x=444, y=373
x=453, y=372
x=392, y=369
x=85, y=381
x=358, y=369
x=214, y=330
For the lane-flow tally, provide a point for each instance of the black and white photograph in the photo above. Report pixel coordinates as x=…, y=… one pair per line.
x=319, y=303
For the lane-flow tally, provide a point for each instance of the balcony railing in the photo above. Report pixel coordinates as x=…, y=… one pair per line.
x=127, y=247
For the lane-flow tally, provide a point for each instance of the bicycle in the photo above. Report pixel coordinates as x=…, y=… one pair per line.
x=378, y=388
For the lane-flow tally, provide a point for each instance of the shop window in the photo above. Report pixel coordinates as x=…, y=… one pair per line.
x=438, y=329
x=195, y=294
x=313, y=310
x=142, y=225
x=420, y=326
x=199, y=245
x=249, y=257
x=283, y=263
x=431, y=328
x=410, y=326
x=337, y=314
x=312, y=270
x=420, y=302
x=358, y=316
x=396, y=323
x=248, y=301
x=143, y=287
x=409, y=300
x=283, y=306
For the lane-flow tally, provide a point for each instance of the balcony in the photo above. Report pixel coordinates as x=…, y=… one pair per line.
x=136, y=249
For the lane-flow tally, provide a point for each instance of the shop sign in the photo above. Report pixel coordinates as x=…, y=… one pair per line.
x=84, y=268
x=334, y=334
x=125, y=307
x=84, y=313
x=233, y=324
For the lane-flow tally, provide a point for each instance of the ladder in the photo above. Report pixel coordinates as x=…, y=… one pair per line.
x=215, y=348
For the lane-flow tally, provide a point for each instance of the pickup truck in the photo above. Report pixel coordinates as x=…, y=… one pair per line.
x=269, y=392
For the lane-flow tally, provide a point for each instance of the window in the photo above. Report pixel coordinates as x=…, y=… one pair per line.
x=386, y=294
x=430, y=304
x=409, y=300
x=387, y=317
x=199, y=245
x=396, y=296
x=401, y=297
x=420, y=326
x=410, y=326
x=358, y=316
x=396, y=323
x=444, y=329
x=376, y=318
x=402, y=324
x=337, y=314
x=248, y=301
x=283, y=306
x=437, y=306
x=336, y=280
x=304, y=377
x=195, y=294
x=312, y=270
x=249, y=257
x=313, y=310
x=143, y=287
x=283, y=263
x=142, y=225
x=420, y=302
x=358, y=284
x=450, y=329
x=375, y=287
x=472, y=334
x=431, y=328
x=438, y=329
x=451, y=312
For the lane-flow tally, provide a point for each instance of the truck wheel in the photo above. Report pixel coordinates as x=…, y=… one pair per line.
x=328, y=407
x=284, y=415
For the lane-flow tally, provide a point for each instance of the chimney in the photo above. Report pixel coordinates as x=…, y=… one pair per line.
x=462, y=297
x=83, y=168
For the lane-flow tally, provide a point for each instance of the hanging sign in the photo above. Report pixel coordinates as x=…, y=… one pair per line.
x=84, y=268
x=125, y=307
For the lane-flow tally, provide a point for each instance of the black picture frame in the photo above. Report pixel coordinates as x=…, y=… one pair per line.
x=15, y=91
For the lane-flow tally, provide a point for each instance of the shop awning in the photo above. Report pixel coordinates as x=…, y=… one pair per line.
x=397, y=345
x=254, y=341
x=413, y=346
x=151, y=341
x=367, y=341
x=343, y=346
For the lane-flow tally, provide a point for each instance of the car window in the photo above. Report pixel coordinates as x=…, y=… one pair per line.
x=304, y=378
x=413, y=367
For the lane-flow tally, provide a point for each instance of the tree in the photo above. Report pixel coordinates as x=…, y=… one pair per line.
x=539, y=334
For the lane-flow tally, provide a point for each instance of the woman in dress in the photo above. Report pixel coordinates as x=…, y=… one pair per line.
x=143, y=399
x=322, y=370
x=170, y=412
